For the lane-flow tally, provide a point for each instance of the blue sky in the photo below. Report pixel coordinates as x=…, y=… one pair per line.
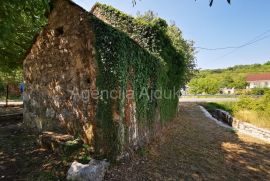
x=222, y=25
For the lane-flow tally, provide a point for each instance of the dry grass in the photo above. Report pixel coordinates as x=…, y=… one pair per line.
x=196, y=148
x=254, y=118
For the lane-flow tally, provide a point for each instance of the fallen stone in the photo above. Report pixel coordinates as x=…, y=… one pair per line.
x=58, y=143
x=93, y=171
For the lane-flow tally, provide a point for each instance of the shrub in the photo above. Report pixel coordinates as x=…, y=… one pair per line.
x=2, y=87
x=259, y=91
x=250, y=109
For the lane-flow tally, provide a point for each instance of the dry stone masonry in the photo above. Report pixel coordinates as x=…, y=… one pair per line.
x=78, y=59
x=241, y=126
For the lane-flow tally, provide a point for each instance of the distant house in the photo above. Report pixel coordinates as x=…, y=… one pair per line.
x=185, y=90
x=227, y=91
x=258, y=80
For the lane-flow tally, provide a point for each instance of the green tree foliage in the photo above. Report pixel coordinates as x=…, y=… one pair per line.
x=14, y=76
x=211, y=81
x=10, y=77
x=19, y=22
x=261, y=104
x=204, y=85
x=147, y=16
x=267, y=63
x=184, y=47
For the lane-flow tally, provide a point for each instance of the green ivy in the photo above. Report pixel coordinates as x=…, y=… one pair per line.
x=129, y=49
x=153, y=37
x=121, y=59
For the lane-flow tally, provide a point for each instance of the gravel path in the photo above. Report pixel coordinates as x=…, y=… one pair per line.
x=196, y=148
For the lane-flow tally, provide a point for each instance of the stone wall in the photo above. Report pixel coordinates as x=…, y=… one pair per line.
x=62, y=69
x=242, y=126
x=59, y=67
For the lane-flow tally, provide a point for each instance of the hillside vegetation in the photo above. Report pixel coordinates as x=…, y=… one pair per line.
x=249, y=109
x=210, y=81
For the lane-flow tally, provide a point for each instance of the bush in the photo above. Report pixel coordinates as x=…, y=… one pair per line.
x=245, y=102
x=259, y=91
x=224, y=106
x=250, y=109
x=261, y=104
x=2, y=87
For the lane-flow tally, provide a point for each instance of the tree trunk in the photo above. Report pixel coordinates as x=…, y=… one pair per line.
x=7, y=91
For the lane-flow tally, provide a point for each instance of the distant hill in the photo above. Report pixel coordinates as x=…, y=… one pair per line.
x=210, y=81
x=253, y=68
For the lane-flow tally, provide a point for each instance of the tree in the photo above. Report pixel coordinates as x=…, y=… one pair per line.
x=147, y=16
x=183, y=46
x=203, y=86
x=20, y=21
x=227, y=81
x=267, y=63
x=7, y=78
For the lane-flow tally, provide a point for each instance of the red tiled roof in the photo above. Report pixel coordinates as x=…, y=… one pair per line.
x=256, y=77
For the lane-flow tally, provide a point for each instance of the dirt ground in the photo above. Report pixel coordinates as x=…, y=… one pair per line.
x=191, y=148
x=195, y=148
x=16, y=111
x=21, y=158
x=10, y=110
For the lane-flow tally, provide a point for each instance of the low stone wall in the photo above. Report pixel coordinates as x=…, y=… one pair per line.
x=241, y=126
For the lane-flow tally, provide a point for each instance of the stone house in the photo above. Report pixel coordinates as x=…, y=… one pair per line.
x=227, y=91
x=261, y=80
x=70, y=63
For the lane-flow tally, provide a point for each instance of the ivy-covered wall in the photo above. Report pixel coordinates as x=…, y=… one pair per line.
x=152, y=37
x=126, y=68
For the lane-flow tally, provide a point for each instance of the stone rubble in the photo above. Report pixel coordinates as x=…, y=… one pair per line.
x=93, y=171
x=241, y=126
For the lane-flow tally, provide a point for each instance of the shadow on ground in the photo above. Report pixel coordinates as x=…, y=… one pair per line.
x=21, y=158
x=191, y=148
x=195, y=148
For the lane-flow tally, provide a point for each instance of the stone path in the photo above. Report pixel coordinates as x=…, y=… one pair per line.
x=196, y=148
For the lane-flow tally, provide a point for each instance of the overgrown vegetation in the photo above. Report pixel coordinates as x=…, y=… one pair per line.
x=211, y=81
x=11, y=79
x=156, y=58
x=20, y=21
x=250, y=109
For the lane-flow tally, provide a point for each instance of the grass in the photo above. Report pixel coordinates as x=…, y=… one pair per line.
x=257, y=118
x=226, y=106
x=11, y=98
x=254, y=118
